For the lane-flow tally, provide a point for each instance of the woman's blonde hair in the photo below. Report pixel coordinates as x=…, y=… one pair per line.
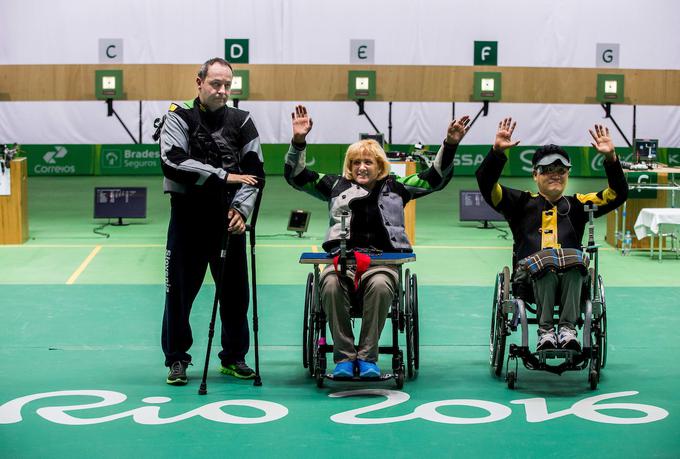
x=370, y=148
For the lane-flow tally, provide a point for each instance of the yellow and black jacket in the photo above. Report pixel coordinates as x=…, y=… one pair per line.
x=535, y=222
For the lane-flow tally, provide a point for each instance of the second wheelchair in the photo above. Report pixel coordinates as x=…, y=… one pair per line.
x=403, y=316
x=509, y=314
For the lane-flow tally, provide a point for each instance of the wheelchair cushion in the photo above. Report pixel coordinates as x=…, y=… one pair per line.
x=557, y=260
x=534, y=266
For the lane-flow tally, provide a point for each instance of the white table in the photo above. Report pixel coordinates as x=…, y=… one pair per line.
x=652, y=221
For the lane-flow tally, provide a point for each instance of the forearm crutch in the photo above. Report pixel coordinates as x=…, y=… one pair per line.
x=251, y=230
x=203, y=389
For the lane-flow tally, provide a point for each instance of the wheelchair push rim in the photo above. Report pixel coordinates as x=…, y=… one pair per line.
x=309, y=285
x=603, y=324
x=497, y=336
x=316, y=358
x=598, y=332
x=411, y=324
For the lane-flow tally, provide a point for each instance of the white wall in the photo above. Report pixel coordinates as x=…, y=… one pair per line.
x=540, y=33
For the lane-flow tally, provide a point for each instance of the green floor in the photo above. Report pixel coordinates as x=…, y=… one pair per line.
x=102, y=334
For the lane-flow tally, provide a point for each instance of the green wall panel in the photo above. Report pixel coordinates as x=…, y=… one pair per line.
x=144, y=159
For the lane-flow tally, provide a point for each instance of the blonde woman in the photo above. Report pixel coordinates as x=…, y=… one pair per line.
x=374, y=200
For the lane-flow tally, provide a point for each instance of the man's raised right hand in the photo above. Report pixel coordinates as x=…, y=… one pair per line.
x=504, y=135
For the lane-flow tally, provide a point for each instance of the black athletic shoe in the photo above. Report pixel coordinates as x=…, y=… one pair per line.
x=567, y=339
x=546, y=340
x=238, y=370
x=177, y=376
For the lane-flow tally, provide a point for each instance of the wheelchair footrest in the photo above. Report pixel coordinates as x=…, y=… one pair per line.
x=567, y=354
x=572, y=360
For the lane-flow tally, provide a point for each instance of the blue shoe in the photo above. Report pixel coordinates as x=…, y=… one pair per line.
x=368, y=369
x=344, y=370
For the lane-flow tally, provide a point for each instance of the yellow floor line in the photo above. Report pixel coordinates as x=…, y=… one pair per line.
x=123, y=246
x=76, y=246
x=83, y=265
x=281, y=246
x=473, y=247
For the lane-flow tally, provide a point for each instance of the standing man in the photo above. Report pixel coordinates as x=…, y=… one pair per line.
x=211, y=158
x=550, y=219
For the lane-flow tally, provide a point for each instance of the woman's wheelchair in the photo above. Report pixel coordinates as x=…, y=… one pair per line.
x=509, y=311
x=403, y=315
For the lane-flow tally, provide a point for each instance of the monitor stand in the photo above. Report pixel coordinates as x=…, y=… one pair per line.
x=485, y=225
x=120, y=222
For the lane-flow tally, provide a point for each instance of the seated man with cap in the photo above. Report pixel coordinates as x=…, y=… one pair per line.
x=550, y=222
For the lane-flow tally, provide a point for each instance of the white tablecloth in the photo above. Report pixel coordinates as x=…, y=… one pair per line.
x=649, y=220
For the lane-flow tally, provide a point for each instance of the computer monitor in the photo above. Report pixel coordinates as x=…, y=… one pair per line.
x=646, y=150
x=120, y=202
x=474, y=208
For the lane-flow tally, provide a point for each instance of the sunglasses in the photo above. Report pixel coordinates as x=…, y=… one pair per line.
x=552, y=169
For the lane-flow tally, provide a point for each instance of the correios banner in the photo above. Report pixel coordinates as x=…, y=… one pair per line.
x=63, y=159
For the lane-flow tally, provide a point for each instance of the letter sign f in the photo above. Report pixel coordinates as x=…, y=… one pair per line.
x=486, y=50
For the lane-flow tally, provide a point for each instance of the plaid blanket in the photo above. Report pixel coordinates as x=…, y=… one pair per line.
x=557, y=260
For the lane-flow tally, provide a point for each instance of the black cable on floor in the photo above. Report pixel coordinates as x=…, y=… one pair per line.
x=98, y=230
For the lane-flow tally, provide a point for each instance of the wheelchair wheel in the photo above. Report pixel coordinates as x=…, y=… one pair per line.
x=412, y=332
x=497, y=334
x=599, y=337
x=314, y=335
x=595, y=366
x=593, y=379
x=603, y=337
x=511, y=379
x=403, y=301
x=416, y=324
x=603, y=325
x=318, y=376
x=309, y=291
x=399, y=378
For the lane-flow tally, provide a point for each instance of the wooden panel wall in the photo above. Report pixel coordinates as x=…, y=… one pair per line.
x=14, y=208
x=329, y=83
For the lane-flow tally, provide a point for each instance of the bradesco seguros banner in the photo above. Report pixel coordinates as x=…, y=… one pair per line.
x=64, y=159
x=132, y=159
